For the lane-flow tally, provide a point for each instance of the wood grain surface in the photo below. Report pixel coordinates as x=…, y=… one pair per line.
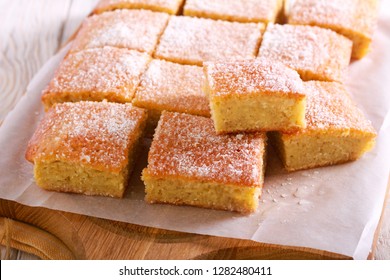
x=30, y=33
x=56, y=233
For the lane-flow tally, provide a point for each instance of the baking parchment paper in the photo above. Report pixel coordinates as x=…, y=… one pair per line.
x=335, y=209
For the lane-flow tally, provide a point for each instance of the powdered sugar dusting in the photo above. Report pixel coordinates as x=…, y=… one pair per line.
x=106, y=73
x=173, y=87
x=133, y=29
x=238, y=10
x=330, y=106
x=195, y=40
x=187, y=146
x=308, y=49
x=98, y=134
x=350, y=15
x=252, y=76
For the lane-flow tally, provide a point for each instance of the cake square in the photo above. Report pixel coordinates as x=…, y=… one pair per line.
x=167, y=6
x=188, y=40
x=254, y=95
x=131, y=29
x=235, y=10
x=315, y=53
x=86, y=147
x=172, y=87
x=107, y=73
x=355, y=19
x=189, y=164
x=336, y=132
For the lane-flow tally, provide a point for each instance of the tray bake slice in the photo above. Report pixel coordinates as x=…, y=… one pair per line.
x=315, y=53
x=336, y=132
x=355, y=19
x=168, y=6
x=86, y=147
x=189, y=40
x=106, y=73
x=172, y=87
x=189, y=164
x=254, y=95
x=131, y=29
x=264, y=11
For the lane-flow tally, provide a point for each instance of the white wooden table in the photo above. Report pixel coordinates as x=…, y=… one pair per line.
x=32, y=31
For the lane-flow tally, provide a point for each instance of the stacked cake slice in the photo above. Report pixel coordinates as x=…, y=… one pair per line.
x=254, y=95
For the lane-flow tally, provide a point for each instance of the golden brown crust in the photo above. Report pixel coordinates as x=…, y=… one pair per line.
x=316, y=53
x=167, y=6
x=234, y=10
x=172, y=87
x=252, y=77
x=188, y=40
x=95, y=134
x=96, y=74
x=132, y=29
x=329, y=107
x=186, y=146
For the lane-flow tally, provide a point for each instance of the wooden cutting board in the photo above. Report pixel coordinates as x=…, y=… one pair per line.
x=51, y=234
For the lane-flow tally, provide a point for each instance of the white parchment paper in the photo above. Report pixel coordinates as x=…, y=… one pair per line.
x=335, y=209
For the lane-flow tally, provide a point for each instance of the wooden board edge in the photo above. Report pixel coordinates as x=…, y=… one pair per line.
x=245, y=249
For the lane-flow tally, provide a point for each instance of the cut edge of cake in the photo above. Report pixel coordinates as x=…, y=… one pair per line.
x=212, y=195
x=234, y=112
